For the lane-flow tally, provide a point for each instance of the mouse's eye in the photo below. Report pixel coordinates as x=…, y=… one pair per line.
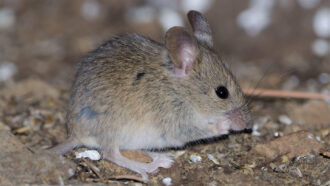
x=222, y=92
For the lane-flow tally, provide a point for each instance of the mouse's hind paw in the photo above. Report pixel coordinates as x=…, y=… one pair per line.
x=164, y=160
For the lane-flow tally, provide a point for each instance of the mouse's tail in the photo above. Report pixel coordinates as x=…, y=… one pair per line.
x=65, y=146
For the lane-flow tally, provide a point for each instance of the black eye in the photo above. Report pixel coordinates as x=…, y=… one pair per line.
x=222, y=92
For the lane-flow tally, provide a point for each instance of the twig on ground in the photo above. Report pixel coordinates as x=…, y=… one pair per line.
x=285, y=94
x=128, y=177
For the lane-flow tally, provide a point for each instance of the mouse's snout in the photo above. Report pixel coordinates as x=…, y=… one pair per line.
x=240, y=119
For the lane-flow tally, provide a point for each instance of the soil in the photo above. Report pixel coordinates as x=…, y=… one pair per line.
x=290, y=141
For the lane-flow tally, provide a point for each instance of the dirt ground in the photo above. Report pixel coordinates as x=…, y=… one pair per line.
x=44, y=40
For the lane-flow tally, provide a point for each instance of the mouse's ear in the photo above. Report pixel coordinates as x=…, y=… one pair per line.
x=201, y=28
x=183, y=50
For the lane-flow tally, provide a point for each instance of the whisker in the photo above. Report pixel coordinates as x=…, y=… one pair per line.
x=259, y=81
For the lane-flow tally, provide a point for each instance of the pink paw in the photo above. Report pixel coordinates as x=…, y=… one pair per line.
x=164, y=160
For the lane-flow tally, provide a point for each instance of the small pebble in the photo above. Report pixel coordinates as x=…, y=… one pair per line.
x=255, y=130
x=300, y=157
x=278, y=134
x=273, y=166
x=179, y=153
x=213, y=159
x=70, y=172
x=284, y=119
x=310, y=136
x=195, y=158
x=311, y=156
x=318, y=138
x=282, y=166
x=91, y=154
x=299, y=172
x=285, y=159
x=167, y=181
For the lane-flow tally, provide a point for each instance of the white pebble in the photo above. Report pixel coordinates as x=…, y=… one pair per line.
x=7, y=18
x=70, y=172
x=282, y=166
x=311, y=156
x=179, y=153
x=7, y=70
x=195, y=158
x=310, y=136
x=278, y=134
x=299, y=172
x=167, y=181
x=301, y=157
x=255, y=130
x=318, y=138
x=321, y=22
x=285, y=120
x=320, y=47
x=213, y=159
x=91, y=154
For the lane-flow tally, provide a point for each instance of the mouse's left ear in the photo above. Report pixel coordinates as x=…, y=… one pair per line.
x=182, y=49
x=201, y=28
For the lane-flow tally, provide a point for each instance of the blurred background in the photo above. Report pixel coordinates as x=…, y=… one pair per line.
x=284, y=41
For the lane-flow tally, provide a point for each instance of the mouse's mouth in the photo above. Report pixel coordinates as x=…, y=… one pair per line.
x=233, y=120
x=240, y=119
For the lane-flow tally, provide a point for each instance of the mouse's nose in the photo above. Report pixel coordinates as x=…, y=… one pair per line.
x=241, y=119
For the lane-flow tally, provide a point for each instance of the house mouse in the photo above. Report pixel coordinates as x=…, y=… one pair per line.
x=133, y=93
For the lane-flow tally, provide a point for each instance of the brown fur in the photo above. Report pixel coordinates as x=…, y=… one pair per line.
x=134, y=93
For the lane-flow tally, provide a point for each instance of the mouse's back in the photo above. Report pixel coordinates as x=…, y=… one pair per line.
x=135, y=93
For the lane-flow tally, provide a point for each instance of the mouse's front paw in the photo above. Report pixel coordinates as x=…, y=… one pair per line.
x=164, y=160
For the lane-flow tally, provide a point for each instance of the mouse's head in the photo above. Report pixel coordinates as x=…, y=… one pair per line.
x=207, y=83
